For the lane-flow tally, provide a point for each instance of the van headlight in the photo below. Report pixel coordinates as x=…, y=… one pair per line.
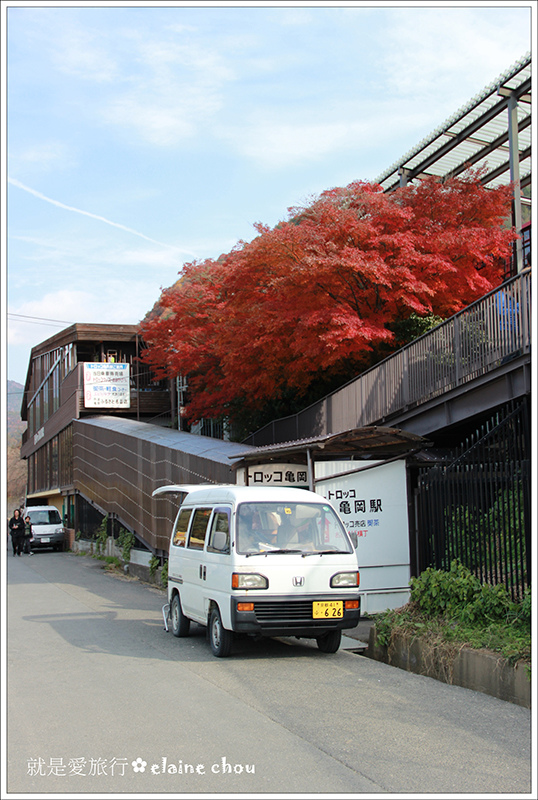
x=344, y=579
x=249, y=580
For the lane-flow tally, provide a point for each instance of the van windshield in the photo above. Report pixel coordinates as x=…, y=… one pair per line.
x=45, y=517
x=306, y=528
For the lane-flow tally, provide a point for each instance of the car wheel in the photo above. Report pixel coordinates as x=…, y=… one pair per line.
x=180, y=624
x=330, y=642
x=220, y=639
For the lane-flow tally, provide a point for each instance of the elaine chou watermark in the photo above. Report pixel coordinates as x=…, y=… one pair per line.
x=120, y=767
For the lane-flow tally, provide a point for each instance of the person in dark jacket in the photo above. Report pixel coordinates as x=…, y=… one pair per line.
x=28, y=536
x=16, y=528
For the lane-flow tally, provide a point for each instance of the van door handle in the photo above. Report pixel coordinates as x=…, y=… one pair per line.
x=202, y=572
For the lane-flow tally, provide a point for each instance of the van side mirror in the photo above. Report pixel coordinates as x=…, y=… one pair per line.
x=354, y=539
x=220, y=541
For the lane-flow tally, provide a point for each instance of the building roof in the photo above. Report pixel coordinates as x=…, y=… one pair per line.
x=371, y=441
x=86, y=332
x=475, y=136
x=201, y=446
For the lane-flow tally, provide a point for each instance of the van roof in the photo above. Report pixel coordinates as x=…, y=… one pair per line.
x=231, y=493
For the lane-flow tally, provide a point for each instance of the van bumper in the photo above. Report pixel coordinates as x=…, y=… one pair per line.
x=54, y=540
x=288, y=616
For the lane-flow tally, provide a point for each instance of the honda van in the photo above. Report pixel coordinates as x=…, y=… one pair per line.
x=260, y=562
x=47, y=527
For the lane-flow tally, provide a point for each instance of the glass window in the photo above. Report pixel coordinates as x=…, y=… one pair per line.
x=219, y=535
x=181, y=526
x=199, y=528
x=284, y=527
x=45, y=517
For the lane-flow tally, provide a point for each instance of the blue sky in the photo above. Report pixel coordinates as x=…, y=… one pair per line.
x=141, y=137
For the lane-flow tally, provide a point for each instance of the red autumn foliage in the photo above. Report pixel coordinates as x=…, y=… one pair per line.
x=319, y=290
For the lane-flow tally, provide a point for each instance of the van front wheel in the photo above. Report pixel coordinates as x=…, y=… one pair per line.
x=180, y=623
x=330, y=642
x=220, y=639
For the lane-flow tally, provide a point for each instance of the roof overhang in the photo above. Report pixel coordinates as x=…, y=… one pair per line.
x=475, y=136
x=360, y=443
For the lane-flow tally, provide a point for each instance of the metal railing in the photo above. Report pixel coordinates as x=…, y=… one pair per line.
x=481, y=337
x=476, y=508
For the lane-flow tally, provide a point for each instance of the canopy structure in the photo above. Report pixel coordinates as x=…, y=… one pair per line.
x=370, y=442
x=477, y=135
x=493, y=131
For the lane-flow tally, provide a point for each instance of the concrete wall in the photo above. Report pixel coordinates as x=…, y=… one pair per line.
x=480, y=670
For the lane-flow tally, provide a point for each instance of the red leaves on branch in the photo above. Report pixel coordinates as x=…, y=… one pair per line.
x=318, y=290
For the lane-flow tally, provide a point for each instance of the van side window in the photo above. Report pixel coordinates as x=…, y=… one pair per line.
x=219, y=535
x=199, y=528
x=182, y=523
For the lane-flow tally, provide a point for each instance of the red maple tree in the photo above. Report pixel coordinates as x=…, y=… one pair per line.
x=321, y=289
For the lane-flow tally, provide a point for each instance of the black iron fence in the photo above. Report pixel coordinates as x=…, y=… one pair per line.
x=476, y=507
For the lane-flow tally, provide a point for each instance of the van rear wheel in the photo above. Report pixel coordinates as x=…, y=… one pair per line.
x=180, y=624
x=330, y=642
x=220, y=639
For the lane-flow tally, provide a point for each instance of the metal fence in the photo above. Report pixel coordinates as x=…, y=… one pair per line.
x=476, y=508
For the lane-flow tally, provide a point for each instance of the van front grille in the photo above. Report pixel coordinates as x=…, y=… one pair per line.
x=284, y=611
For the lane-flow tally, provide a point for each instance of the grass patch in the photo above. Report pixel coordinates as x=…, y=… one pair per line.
x=452, y=610
x=111, y=562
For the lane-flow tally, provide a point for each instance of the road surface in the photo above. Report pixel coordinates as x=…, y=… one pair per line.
x=101, y=699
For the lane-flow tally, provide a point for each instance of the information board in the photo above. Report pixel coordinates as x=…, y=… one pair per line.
x=106, y=385
x=373, y=505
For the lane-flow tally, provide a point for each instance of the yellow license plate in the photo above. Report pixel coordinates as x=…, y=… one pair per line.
x=332, y=609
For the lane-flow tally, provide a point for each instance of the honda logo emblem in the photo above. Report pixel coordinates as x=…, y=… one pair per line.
x=298, y=580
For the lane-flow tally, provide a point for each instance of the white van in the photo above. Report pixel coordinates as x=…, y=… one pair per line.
x=47, y=527
x=261, y=561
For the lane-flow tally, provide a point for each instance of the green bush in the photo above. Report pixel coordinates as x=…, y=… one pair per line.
x=126, y=541
x=164, y=575
x=453, y=606
x=154, y=564
x=101, y=534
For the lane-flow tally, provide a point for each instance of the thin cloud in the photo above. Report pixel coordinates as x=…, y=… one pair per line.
x=20, y=185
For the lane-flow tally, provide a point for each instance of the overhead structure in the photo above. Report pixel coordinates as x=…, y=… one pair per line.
x=370, y=442
x=492, y=131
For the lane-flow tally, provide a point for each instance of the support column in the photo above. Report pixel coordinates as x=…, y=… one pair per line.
x=513, y=144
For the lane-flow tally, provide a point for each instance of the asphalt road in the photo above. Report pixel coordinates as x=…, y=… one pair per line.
x=96, y=687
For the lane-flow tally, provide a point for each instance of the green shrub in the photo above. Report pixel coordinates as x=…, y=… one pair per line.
x=164, y=575
x=154, y=564
x=454, y=607
x=126, y=541
x=101, y=534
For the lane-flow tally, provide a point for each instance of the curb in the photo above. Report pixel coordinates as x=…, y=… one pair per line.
x=479, y=670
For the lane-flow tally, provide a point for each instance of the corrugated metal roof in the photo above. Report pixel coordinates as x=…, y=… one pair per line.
x=369, y=440
x=475, y=136
x=202, y=446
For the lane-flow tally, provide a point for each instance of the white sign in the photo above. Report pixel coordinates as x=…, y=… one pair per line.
x=106, y=385
x=275, y=475
x=373, y=505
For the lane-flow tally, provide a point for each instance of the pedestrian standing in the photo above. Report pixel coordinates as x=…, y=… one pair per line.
x=16, y=528
x=28, y=536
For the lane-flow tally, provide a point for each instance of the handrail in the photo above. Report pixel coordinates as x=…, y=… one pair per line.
x=484, y=335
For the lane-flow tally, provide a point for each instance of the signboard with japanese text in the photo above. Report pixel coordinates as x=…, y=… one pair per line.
x=373, y=505
x=106, y=385
x=290, y=475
